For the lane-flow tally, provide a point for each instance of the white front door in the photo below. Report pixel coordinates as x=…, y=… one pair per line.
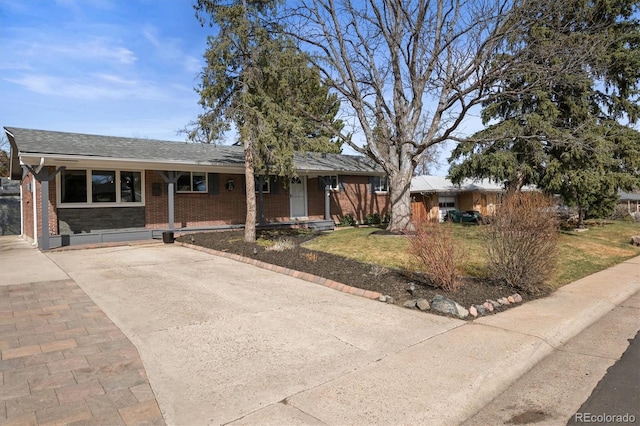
x=298, y=197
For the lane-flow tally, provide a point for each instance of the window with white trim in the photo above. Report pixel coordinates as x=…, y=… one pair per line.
x=83, y=187
x=380, y=184
x=192, y=182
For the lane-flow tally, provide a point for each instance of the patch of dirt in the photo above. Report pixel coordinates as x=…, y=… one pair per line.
x=389, y=282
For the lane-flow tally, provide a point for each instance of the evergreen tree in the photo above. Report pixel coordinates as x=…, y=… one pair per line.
x=256, y=79
x=566, y=137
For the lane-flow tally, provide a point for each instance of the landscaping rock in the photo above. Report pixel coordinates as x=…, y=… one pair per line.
x=390, y=300
x=448, y=306
x=382, y=298
x=495, y=303
x=481, y=310
x=511, y=299
x=635, y=240
x=473, y=311
x=517, y=298
x=488, y=306
x=503, y=301
x=423, y=304
x=410, y=303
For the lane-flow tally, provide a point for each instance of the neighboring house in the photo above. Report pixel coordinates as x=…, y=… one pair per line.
x=103, y=188
x=433, y=196
x=9, y=207
x=631, y=200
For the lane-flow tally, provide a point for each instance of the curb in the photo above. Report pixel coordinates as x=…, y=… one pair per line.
x=326, y=282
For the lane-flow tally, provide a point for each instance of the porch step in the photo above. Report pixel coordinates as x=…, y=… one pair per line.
x=321, y=225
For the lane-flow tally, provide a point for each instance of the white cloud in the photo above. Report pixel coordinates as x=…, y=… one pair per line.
x=150, y=34
x=92, y=50
x=192, y=64
x=97, y=86
x=170, y=50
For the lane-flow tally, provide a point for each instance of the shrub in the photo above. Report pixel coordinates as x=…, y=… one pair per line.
x=373, y=219
x=434, y=247
x=521, y=241
x=347, y=220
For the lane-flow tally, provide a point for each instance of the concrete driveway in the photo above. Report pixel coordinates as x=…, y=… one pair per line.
x=223, y=341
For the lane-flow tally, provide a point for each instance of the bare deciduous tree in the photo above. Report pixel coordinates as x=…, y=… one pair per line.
x=408, y=71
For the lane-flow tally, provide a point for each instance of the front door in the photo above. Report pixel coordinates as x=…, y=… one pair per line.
x=298, y=197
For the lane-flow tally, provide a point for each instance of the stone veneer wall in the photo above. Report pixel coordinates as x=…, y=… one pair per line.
x=81, y=220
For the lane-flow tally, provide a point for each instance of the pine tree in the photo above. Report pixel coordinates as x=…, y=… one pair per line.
x=255, y=79
x=566, y=137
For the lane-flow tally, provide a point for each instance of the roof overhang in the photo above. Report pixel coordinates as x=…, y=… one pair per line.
x=125, y=163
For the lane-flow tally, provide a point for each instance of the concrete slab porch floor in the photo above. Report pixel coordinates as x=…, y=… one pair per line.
x=224, y=342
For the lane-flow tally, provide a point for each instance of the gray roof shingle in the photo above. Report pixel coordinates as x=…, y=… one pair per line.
x=44, y=142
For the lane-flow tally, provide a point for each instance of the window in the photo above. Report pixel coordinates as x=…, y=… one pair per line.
x=332, y=181
x=192, y=182
x=446, y=202
x=103, y=186
x=380, y=184
x=73, y=186
x=100, y=187
x=130, y=187
x=266, y=184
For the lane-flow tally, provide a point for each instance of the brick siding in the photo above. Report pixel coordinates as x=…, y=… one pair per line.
x=204, y=209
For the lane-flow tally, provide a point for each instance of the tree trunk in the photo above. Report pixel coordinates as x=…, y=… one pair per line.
x=400, y=197
x=250, y=222
x=580, y=217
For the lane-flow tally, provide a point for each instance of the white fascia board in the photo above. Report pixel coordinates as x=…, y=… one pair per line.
x=125, y=163
x=316, y=173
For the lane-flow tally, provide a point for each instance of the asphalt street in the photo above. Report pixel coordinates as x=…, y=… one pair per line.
x=616, y=398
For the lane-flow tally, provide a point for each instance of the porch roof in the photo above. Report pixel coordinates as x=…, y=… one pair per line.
x=629, y=196
x=28, y=145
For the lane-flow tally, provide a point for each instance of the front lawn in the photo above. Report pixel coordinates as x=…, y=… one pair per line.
x=580, y=253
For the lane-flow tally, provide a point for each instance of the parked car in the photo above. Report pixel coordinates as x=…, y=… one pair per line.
x=468, y=216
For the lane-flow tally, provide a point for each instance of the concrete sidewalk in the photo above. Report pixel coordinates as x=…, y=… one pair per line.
x=224, y=342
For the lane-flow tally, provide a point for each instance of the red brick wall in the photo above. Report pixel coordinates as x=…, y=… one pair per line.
x=193, y=209
x=27, y=208
x=228, y=207
x=356, y=199
x=27, y=205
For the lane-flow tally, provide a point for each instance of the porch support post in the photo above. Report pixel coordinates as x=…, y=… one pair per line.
x=171, y=178
x=44, y=177
x=327, y=202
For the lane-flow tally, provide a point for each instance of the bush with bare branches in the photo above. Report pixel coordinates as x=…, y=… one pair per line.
x=434, y=247
x=522, y=240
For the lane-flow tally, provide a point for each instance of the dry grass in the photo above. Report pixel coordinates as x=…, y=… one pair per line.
x=579, y=254
x=282, y=245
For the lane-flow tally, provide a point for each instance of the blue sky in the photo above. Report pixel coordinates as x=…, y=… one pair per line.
x=114, y=67
x=111, y=67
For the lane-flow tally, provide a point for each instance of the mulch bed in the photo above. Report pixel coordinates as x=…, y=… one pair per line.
x=389, y=282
